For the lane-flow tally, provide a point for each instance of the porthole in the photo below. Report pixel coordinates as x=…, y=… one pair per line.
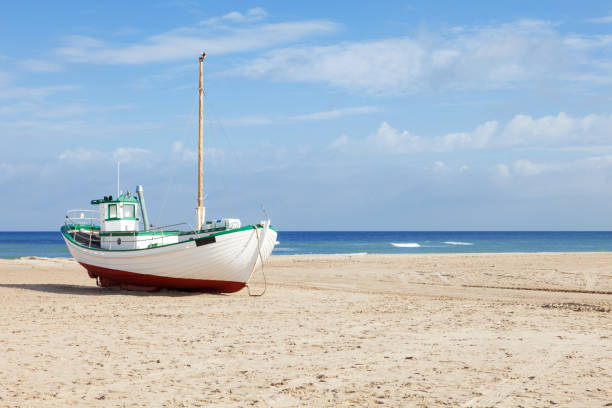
x=118, y=241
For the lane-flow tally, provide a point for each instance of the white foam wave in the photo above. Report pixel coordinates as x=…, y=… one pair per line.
x=405, y=244
x=458, y=243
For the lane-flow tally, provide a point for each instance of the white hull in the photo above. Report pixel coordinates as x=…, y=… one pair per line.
x=224, y=265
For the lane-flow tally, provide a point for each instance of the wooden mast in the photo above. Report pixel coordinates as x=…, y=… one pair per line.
x=200, y=209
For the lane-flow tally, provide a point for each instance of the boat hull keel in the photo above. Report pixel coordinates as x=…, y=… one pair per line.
x=150, y=283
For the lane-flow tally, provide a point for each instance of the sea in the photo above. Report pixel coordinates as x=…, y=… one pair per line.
x=51, y=244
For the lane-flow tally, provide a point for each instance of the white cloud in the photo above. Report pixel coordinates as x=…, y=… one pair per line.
x=583, y=42
x=254, y=14
x=561, y=181
x=10, y=172
x=307, y=117
x=603, y=19
x=124, y=154
x=177, y=146
x=548, y=132
x=336, y=113
x=80, y=155
x=4, y=77
x=137, y=155
x=250, y=120
x=32, y=128
x=40, y=111
x=575, y=168
x=131, y=154
x=390, y=140
x=50, y=110
x=489, y=57
x=188, y=42
x=214, y=155
x=529, y=168
x=476, y=139
x=180, y=152
x=22, y=93
x=38, y=65
x=439, y=167
x=502, y=170
x=385, y=65
x=559, y=130
x=339, y=143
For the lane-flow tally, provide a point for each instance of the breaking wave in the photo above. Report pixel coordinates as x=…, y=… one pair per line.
x=458, y=243
x=406, y=245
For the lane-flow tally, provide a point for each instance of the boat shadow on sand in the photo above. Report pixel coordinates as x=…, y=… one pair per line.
x=98, y=291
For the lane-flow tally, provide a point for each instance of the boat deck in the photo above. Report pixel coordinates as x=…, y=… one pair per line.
x=90, y=238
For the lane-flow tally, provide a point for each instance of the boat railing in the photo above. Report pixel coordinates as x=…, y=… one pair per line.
x=83, y=217
x=87, y=222
x=83, y=226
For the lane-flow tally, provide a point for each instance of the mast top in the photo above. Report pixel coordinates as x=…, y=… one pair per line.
x=202, y=56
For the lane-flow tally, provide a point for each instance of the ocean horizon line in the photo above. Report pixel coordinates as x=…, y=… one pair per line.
x=14, y=244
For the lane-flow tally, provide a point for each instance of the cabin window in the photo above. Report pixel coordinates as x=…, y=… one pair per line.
x=112, y=211
x=128, y=211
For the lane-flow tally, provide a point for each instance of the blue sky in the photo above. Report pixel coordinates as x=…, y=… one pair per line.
x=333, y=115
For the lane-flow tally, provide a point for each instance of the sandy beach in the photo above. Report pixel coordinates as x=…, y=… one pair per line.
x=472, y=330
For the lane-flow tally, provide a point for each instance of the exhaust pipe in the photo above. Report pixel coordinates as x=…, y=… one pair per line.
x=143, y=207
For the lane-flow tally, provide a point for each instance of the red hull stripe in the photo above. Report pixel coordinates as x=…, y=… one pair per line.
x=123, y=278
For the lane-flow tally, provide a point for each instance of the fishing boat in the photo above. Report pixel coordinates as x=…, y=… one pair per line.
x=218, y=256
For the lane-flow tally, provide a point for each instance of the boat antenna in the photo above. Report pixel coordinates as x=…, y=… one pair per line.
x=200, y=209
x=118, y=167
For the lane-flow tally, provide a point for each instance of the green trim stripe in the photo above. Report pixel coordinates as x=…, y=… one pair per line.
x=121, y=199
x=139, y=233
x=84, y=226
x=65, y=233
